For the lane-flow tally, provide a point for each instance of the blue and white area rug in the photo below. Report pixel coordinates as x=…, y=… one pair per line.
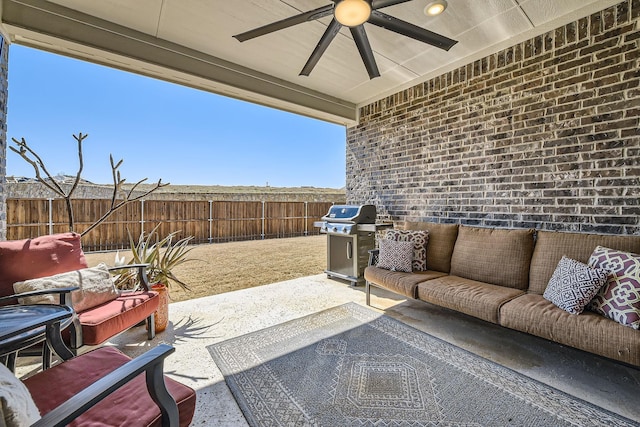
x=351, y=366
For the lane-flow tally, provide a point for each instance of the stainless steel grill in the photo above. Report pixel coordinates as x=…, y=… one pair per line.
x=350, y=234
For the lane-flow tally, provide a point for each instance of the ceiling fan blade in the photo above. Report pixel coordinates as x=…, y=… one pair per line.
x=379, y=4
x=322, y=45
x=407, y=29
x=362, y=42
x=286, y=23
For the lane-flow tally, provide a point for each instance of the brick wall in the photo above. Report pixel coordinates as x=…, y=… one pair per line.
x=4, y=61
x=543, y=134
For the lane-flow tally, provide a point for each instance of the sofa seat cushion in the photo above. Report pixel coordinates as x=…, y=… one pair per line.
x=588, y=331
x=552, y=245
x=478, y=299
x=493, y=255
x=106, y=320
x=130, y=405
x=399, y=282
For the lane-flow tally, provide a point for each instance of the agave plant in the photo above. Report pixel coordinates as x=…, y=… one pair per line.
x=160, y=255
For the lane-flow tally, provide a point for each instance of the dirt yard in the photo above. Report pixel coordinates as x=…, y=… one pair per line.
x=225, y=267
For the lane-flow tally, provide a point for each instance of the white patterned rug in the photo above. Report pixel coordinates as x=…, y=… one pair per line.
x=350, y=366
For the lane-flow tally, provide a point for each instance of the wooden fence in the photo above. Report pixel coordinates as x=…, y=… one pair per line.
x=207, y=221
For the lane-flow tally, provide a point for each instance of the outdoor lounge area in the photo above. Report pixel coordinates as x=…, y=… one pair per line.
x=288, y=350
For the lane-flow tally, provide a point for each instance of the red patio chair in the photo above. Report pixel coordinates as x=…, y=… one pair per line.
x=59, y=253
x=105, y=387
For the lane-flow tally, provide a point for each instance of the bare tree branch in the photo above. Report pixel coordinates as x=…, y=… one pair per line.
x=158, y=185
x=78, y=138
x=24, y=152
x=36, y=162
x=118, y=182
x=124, y=202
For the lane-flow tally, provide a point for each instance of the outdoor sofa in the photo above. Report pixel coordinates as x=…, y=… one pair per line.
x=501, y=275
x=52, y=262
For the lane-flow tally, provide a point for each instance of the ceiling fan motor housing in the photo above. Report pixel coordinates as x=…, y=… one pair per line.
x=352, y=13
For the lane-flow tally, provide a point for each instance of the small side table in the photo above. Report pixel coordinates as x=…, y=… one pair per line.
x=22, y=326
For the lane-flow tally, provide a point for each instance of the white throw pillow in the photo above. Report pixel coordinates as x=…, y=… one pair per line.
x=95, y=283
x=16, y=404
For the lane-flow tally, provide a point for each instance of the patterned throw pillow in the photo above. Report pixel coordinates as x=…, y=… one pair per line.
x=419, y=239
x=619, y=298
x=395, y=256
x=574, y=284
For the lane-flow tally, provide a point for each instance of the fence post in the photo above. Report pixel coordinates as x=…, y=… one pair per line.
x=306, y=218
x=50, y=216
x=210, y=221
x=262, y=234
x=141, y=216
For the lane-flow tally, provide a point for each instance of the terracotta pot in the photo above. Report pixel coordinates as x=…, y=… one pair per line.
x=161, y=315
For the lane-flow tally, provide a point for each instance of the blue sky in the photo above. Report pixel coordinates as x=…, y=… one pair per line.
x=160, y=129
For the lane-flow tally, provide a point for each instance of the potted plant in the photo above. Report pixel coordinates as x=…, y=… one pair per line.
x=161, y=255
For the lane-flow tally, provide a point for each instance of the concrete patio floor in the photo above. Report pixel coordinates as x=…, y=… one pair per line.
x=196, y=324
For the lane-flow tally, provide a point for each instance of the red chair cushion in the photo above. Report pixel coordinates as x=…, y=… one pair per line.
x=39, y=257
x=130, y=405
x=106, y=320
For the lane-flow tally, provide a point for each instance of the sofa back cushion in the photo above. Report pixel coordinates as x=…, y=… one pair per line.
x=38, y=257
x=552, y=245
x=493, y=255
x=442, y=238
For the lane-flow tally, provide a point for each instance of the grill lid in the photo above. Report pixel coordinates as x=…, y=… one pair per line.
x=365, y=214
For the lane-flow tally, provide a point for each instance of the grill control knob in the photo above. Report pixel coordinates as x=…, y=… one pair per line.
x=334, y=229
x=345, y=230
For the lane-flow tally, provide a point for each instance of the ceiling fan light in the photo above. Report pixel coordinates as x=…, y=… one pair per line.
x=352, y=13
x=435, y=8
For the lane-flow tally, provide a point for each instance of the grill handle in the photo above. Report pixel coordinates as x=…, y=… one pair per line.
x=349, y=250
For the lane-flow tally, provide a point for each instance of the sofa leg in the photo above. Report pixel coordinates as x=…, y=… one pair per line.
x=46, y=356
x=151, y=327
x=367, y=292
x=9, y=360
x=76, y=334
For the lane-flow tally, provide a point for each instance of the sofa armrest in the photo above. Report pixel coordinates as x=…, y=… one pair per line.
x=143, y=279
x=151, y=363
x=62, y=291
x=373, y=256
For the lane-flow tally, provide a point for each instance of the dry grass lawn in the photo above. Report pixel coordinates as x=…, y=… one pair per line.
x=224, y=267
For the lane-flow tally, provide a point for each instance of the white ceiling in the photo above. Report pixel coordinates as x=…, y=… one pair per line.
x=190, y=42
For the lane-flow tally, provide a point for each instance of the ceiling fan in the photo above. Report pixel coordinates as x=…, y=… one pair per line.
x=353, y=14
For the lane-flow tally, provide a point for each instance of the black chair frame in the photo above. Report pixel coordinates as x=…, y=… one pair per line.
x=151, y=363
x=76, y=342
